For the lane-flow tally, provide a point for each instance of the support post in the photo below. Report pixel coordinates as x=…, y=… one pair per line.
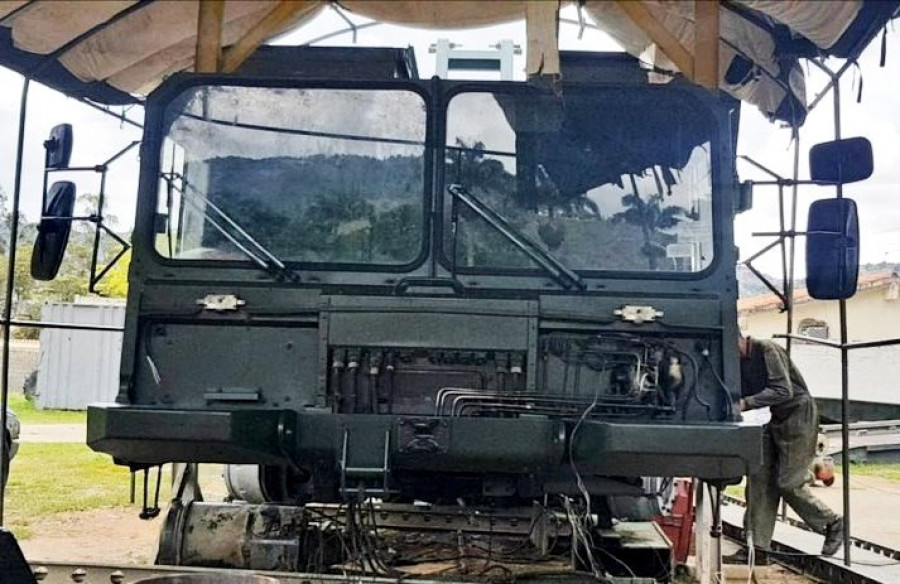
x=270, y=24
x=660, y=35
x=845, y=349
x=706, y=43
x=10, y=276
x=209, y=36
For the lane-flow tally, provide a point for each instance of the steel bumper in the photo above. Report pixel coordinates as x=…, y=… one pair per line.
x=492, y=445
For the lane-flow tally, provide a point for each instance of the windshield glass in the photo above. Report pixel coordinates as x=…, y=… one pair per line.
x=601, y=179
x=294, y=175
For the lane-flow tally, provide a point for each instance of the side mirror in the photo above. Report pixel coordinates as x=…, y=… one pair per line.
x=832, y=249
x=841, y=161
x=744, y=197
x=59, y=147
x=53, y=231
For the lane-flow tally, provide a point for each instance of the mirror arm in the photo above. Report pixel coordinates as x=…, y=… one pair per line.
x=98, y=168
x=762, y=278
x=787, y=233
x=95, y=279
x=758, y=165
x=86, y=218
x=120, y=153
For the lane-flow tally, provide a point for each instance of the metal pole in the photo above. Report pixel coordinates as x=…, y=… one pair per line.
x=845, y=365
x=10, y=275
x=845, y=371
x=99, y=221
x=842, y=308
x=792, y=254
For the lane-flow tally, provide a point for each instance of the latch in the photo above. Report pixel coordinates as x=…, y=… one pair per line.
x=638, y=314
x=423, y=435
x=220, y=302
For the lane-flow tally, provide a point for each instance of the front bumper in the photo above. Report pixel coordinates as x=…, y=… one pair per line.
x=472, y=445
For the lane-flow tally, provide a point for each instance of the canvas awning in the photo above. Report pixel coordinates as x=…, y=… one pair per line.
x=117, y=51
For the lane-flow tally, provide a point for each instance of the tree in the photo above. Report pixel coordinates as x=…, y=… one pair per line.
x=651, y=217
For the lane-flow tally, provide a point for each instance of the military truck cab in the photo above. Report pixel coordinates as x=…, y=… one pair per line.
x=430, y=289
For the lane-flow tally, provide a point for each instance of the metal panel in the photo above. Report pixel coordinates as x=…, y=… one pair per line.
x=79, y=367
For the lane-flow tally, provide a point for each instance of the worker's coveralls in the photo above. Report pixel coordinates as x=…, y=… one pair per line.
x=769, y=378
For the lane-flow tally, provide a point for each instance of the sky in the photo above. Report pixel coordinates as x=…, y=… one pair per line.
x=98, y=136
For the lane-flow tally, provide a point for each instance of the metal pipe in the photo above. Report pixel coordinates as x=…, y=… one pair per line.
x=95, y=252
x=785, y=288
x=42, y=324
x=121, y=117
x=10, y=276
x=842, y=308
x=845, y=369
x=873, y=344
x=792, y=242
x=813, y=340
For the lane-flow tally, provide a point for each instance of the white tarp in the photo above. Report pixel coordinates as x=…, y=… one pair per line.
x=133, y=46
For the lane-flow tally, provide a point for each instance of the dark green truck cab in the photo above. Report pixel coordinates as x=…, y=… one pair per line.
x=425, y=288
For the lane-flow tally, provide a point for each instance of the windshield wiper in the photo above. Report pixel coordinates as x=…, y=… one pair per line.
x=557, y=270
x=262, y=257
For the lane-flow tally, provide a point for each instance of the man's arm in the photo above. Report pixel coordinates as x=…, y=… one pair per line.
x=778, y=386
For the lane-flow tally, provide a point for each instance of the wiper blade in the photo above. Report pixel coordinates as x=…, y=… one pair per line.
x=557, y=270
x=262, y=257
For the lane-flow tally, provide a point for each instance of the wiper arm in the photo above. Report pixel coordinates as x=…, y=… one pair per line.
x=262, y=257
x=557, y=270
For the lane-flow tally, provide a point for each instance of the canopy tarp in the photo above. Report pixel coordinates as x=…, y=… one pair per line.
x=117, y=51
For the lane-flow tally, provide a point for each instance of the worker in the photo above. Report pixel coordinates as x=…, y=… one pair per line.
x=770, y=379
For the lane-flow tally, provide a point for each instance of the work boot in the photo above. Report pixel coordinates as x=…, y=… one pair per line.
x=834, y=537
x=741, y=558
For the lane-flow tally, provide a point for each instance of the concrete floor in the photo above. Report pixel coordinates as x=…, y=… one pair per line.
x=874, y=507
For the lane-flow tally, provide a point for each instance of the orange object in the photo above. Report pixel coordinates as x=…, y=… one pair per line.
x=823, y=470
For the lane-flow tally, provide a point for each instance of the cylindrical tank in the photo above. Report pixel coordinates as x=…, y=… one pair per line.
x=258, y=537
x=259, y=484
x=209, y=579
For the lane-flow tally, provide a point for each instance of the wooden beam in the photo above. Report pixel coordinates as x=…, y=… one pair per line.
x=209, y=36
x=269, y=25
x=657, y=33
x=706, y=43
x=542, y=30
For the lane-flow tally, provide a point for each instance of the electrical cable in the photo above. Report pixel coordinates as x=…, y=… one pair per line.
x=578, y=480
x=729, y=406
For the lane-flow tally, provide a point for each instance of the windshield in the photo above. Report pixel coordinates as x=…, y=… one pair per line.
x=602, y=179
x=275, y=175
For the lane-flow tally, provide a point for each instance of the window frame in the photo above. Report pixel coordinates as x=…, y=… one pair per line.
x=157, y=135
x=716, y=142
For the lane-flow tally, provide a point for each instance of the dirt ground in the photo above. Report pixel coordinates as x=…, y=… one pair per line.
x=114, y=535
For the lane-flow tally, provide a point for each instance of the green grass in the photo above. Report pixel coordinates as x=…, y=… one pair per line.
x=50, y=479
x=735, y=491
x=890, y=472
x=28, y=413
x=56, y=478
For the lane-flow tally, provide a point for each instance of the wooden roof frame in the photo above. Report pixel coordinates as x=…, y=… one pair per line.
x=210, y=58
x=702, y=66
